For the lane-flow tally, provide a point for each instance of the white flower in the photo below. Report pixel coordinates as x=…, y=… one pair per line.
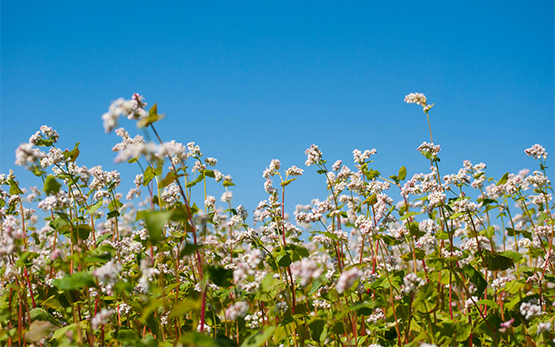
x=347, y=279
x=314, y=155
x=536, y=151
x=211, y=161
x=101, y=318
x=239, y=309
x=306, y=270
x=108, y=273
x=294, y=171
x=530, y=309
x=226, y=197
x=25, y=154
x=416, y=98
x=429, y=147
x=543, y=327
x=132, y=109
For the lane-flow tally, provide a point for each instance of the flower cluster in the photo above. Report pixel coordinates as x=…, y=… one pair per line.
x=422, y=259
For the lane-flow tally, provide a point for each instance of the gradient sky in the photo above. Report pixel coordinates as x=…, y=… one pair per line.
x=251, y=81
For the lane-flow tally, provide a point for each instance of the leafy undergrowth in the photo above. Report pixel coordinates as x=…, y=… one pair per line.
x=393, y=261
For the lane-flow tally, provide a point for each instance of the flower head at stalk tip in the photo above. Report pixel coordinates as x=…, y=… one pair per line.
x=536, y=151
x=419, y=99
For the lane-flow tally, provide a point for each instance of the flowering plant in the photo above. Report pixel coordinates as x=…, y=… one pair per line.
x=382, y=261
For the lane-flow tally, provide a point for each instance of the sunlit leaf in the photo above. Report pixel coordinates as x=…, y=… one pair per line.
x=77, y=280
x=259, y=338
x=155, y=222
x=51, y=186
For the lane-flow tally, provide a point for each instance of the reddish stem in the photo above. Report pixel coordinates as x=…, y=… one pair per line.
x=30, y=289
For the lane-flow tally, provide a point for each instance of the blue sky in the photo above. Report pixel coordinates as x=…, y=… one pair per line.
x=254, y=81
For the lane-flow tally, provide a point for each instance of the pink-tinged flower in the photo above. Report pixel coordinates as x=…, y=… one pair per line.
x=294, y=171
x=306, y=270
x=314, y=155
x=347, y=279
x=56, y=254
x=416, y=98
x=543, y=327
x=536, y=151
x=101, y=318
x=506, y=325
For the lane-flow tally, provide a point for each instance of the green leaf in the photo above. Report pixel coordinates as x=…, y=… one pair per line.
x=259, y=338
x=38, y=330
x=189, y=249
x=39, y=313
x=316, y=284
x=150, y=173
x=228, y=183
x=283, y=259
x=155, y=222
x=37, y=171
x=73, y=154
x=463, y=331
x=220, y=276
x=114, y=205
x=418, y=253
x=112, y=214
x=490, y=231
x=180, y=214
x=301, y=251
x=25, y=259
x=477, y=279
x=497, y=262
x=513, y=255
x=44, y=143
x=61, y=333
x=100, y=258
x=197, y=180
x=371, y=174
x=410, y=214
x=95, y=207
x=371, y=200
x=83, y=230
x=153, y=324
x=14, y=188
x=153, y=110
x=287, y=182
x=317, y=328
x=198, y=339
x=364, y=308
x=224, y=341
x=427, y=154
x=52, y=303
x=170, y=177
x=513, y=232
x=152, y=117
x=488, y=302
x=77, y=280
x=126, y=335
x=184, y=307
x=402, y=173
x=414, y=229
x=51, y=186
x=503, y=179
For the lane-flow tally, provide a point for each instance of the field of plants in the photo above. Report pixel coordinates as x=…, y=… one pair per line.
x=457, y=259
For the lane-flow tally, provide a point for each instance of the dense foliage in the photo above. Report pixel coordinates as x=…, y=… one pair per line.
x=454, y=260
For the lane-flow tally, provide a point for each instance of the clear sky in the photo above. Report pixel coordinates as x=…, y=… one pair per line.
x=251, y=81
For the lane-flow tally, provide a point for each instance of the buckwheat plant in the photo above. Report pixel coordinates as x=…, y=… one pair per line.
x=460, y=259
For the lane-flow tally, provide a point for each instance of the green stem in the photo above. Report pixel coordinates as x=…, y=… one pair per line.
x=429, y=127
